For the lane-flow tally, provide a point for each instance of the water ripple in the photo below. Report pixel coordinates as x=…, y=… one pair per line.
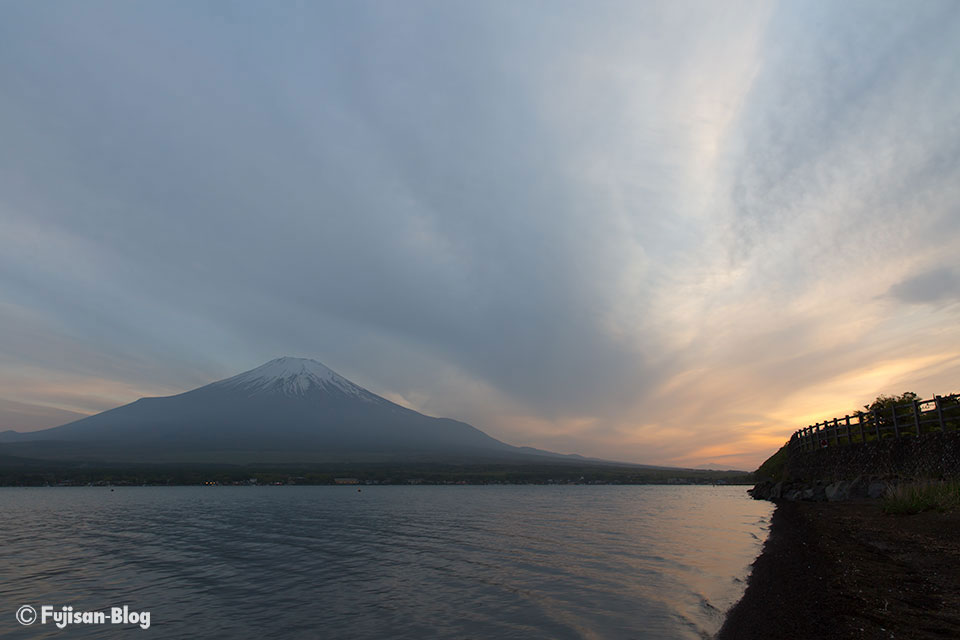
x=398, y=562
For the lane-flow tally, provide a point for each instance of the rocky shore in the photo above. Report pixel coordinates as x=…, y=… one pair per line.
x=860, y=488
x=844, y=569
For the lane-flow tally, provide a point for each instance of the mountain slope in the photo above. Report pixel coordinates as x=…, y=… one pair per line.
x=293, y=406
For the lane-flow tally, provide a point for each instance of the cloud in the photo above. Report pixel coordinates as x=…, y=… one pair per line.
x=19, y=416
x=932, y=286
x=625, y=230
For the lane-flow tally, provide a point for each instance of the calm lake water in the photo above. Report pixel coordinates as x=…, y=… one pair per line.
x=388, y=562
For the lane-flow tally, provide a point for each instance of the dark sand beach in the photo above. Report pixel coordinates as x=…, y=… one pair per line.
x=847, y=570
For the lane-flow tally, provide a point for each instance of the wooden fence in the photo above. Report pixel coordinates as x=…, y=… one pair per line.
x=940, y=413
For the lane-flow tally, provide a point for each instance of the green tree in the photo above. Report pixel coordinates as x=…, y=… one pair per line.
x=884, y=404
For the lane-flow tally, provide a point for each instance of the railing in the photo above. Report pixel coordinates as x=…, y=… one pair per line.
x=940, y=413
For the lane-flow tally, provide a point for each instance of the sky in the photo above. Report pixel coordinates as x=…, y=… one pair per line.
x=657, y=232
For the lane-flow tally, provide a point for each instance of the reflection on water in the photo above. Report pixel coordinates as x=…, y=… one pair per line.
x=387, y=562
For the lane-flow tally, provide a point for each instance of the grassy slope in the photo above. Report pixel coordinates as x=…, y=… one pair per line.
x=773, y=467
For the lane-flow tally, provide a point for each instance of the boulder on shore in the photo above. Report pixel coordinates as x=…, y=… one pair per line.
x=859, y=488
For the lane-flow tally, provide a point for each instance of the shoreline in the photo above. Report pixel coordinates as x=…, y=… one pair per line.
x=846, y=570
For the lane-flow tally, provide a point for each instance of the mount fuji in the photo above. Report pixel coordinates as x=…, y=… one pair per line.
x=287, y=410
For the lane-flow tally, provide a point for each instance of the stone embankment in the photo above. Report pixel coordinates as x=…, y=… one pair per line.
x=858, y=471
x=931, y=455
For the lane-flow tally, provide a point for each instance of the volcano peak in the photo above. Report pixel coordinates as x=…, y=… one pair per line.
x=291, y=377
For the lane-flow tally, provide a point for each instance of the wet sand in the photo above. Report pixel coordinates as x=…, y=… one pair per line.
x=847, y=570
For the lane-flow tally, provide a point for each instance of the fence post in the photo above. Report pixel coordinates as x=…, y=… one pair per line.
x=916, y=416
x=863, y=437
x=836, y=432
x=876, y=423
x=849, y=438
x=936, y=400
x=896, y=424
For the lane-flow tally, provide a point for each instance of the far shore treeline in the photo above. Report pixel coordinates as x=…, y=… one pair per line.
x=42, y=475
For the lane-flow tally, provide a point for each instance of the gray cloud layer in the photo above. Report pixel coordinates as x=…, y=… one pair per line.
x=932, y=286
x=535, y=216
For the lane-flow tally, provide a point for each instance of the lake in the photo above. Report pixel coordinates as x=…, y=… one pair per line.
x=551, y=562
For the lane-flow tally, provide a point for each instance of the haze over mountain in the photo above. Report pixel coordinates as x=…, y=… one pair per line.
x=289, y=409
